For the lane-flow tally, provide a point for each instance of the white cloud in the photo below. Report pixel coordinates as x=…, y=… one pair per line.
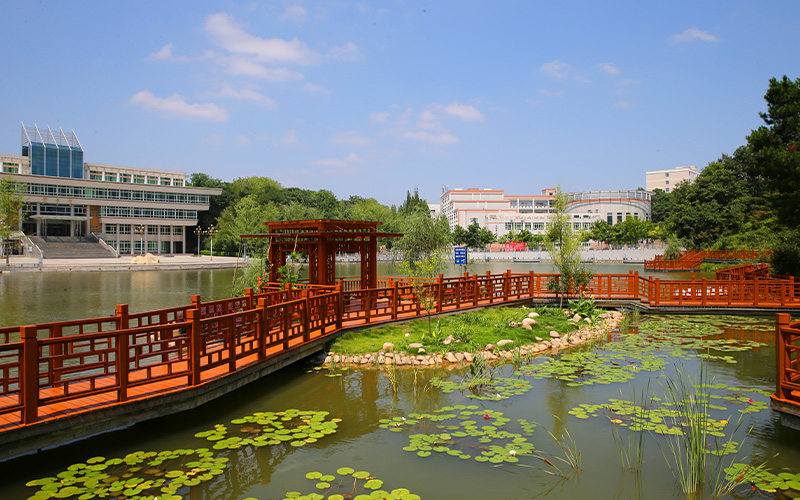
x=313, y=87
x=294, y=13
x=429, y=121
x=609, y=68
x=379, y=116
x=422, y=136
x=290, y=138
x=463, y=111
x=347, y=52
x=246, y=92
x=351, y=138
x=624, y=86
x=551, y=93
x=165, y=54
x=242, y=141
x=176, y=105
x=692, y=34
x=231, y=36
x=242, y=66
x=337, y=162
x=556, y=69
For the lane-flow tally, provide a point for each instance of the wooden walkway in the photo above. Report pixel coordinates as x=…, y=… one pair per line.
x=79, y=378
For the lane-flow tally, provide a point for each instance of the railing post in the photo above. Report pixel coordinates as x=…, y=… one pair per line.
x=781, y=322
x=123, y=344
x=703, y=293
x=196, y=302
x=339, y=305
x=248, y=297
x=440, y=293
x=636, y=286
x=506, y=285
x=531, y=281
x=263, y=328
x=29, y=375
x=195, y=338
x=490, y=286
x=756, y=292
x=306, y=316
x=475, y=291
x=657, y=295
x=231, y=337
x=394, y=298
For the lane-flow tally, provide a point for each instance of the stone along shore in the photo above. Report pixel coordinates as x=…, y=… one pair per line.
x=387, y=356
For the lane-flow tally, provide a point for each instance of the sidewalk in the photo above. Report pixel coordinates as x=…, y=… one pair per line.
x=123, y=263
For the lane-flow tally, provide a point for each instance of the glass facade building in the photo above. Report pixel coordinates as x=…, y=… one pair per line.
x=54, y=154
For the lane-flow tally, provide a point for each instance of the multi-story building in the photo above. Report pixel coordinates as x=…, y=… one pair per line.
x=134, y=210
x=502, y=213
x=668, y=179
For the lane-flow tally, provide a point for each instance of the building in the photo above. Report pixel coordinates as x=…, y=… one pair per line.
x=133, y=210
x=502, y=213
x=668, y=179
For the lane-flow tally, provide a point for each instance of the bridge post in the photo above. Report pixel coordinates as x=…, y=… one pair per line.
x=262, y=329
x=506, y=285
x=29, y=375
x=306, y=316
x=440, y=293
x=248, y=297
x=657, y=292
x=781, y=322
x=475, y=291
x=394, y=298
x=703, y=293
x=531, y=281
x=490, y=286
x=231, y=338
x=196, y=302
x=195, y=338
x=123, y=362
x=339, y=304
x=756, y=292
x=636, y=286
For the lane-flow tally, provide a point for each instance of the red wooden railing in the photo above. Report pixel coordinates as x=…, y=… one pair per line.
x=787, y=361
x=103, y=361
x=690, y=260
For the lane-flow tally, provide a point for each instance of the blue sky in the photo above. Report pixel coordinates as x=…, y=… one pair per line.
x=377, y=98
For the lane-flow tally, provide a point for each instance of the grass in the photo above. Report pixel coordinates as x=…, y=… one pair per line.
x=471, y=331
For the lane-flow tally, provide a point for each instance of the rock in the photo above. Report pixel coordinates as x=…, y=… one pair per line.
x=604, y=316
x=528, y=323
x=451, y=358
x=577, y=317
x=588, y=320
x=504, y=342
x=388, y=361
x=554, y=334
x=421, y=350
x=364, y=360
x=407, y=335
x=513, y=324
x=567, y=313
x=539, y=339
x=405, y=360
x=490, y=347
x=533, y=315
x=387, y=346
x=460, y=356
x=446, y=342
x=449, y=339
x=415, y=345
x=468, y=357
x=328, y=359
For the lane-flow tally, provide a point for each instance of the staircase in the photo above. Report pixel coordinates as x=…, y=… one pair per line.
x=72, y=247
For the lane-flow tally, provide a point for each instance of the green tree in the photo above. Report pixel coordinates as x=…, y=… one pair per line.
x=11, y=202
x=775, y=148
x=563, y=245
x=423, y=235
x=600, y=231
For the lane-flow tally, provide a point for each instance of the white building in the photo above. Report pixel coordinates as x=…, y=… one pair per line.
x=134, y=210
x=502, y=213
x=668, y=179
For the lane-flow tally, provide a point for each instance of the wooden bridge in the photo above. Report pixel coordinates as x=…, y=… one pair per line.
x=690, y=260
x=66, y=380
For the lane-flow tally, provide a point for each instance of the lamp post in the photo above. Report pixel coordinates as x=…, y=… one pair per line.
x=199, y=232
x=140, y=230
x=212, y=231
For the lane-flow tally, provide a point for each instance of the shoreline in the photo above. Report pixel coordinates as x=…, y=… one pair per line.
x=401, y=359
x=166, y=263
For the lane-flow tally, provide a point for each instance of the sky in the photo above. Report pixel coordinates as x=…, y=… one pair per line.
x=376, y=99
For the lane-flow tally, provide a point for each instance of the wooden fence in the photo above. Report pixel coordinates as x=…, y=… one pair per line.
x=53, y=369
x=787, y=362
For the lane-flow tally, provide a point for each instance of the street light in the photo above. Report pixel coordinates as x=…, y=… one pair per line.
x=212, y=231
x=198, y=231
x=140, y=229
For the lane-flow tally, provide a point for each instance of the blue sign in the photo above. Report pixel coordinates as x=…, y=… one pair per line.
x=461, y=256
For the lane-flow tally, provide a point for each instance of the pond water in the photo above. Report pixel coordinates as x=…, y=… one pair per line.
x=371, y=435
x=41, y=297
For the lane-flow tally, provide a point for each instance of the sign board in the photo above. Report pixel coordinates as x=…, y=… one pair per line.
x=461, y=256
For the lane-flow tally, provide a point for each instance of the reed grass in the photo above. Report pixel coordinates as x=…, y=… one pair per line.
x=631, y=449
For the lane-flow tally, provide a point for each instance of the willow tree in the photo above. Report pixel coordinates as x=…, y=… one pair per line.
x=10, y=213
x=563, y=243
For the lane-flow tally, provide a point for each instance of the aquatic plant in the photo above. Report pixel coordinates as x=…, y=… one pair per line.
x=137, y=475
x=346, y=484
x=631, y=450
x=295, y=427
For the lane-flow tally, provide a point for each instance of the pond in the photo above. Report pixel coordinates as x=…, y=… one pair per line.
x=436, y=441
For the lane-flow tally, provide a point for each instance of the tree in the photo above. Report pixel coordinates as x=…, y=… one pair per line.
x=775, y=148
x=563, y=245
x=11, y=202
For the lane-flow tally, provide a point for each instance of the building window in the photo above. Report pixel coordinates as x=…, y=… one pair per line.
x=667, y=183
x=152, y=180
x=138, y=179
x=177, y=182
x=619, y=216
x=111, y=177
x=152, y=229
x=125, y=229
x=111, y=229
x=10, y=168
x=125, y=178
x=164, y=230
x=95, y=176
x=166, y=181
x=177, y=230
x=666, y=175
x=610, y=218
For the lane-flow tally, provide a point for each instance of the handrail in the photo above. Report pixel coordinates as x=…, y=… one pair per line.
x=691, y=259
x=787, y=359
x=42, y=365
